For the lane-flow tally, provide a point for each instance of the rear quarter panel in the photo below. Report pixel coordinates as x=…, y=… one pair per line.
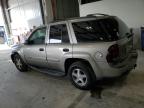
x=90, y=52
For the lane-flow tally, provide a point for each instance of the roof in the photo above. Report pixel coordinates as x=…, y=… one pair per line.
x=97, y=15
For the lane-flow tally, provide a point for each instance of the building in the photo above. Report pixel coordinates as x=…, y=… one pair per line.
x=3, y=37
x=23, y=15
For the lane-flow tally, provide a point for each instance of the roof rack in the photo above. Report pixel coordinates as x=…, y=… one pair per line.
x=97, y=14
x=57, y=20
x=89, y=15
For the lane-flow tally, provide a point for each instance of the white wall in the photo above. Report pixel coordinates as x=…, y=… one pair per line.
x=130, y=11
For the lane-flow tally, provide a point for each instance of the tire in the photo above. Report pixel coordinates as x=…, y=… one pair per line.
x=80, y=75
x=19, y=63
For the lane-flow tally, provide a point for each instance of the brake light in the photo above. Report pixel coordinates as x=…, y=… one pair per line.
x=113, y=52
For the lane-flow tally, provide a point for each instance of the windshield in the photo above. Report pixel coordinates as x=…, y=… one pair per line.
x=108, y=29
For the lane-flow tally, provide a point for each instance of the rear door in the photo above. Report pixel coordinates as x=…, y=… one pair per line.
x=59, y=45
x=119, y=32
x=125, y=39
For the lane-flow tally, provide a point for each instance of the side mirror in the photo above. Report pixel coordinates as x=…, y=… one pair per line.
x=26, y=42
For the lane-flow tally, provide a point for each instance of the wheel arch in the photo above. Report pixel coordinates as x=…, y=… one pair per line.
x=70, y=61
x=13, y=54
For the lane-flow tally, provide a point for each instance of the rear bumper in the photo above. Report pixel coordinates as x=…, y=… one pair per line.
x=121, y=68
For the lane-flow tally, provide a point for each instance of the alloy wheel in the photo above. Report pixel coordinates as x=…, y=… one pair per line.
x=18, y=63
x=79, y=77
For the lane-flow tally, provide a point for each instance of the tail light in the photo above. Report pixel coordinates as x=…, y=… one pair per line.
x=113, y=52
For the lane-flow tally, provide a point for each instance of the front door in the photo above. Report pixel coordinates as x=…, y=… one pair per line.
x=34, y=50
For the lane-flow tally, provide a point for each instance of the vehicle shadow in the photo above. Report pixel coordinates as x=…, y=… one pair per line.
x=107, y=83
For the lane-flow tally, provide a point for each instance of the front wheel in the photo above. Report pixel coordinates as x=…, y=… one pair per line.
x=20, y=65
x=81, y=76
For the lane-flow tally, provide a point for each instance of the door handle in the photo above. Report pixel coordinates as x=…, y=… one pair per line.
x=65, y=50
x=41, y=49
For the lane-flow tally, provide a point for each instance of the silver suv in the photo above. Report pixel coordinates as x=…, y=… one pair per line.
x=86, y=49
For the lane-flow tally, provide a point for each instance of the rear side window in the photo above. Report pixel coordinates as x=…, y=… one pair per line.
x=58, y=34
x=108, y=29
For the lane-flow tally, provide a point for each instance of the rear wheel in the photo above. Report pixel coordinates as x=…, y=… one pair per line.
x=20, y=65
x=81, y=76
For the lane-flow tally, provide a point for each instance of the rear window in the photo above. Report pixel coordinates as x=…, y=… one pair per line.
x=108, y=29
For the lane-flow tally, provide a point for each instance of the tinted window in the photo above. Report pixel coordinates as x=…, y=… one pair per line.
x=59, y=34
x=38, y=37
x=108, y=29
